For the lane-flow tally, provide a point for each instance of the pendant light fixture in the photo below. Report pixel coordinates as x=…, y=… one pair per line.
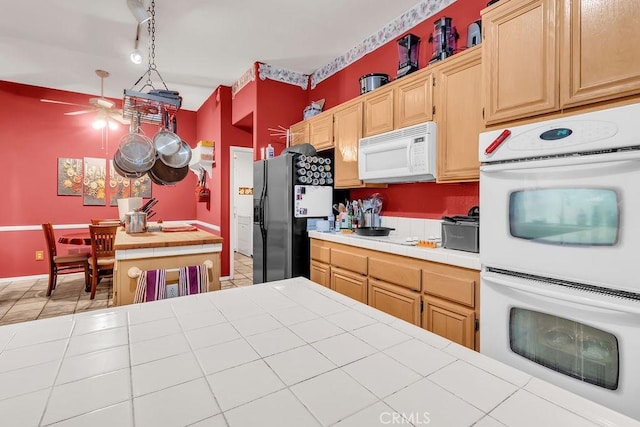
x=136, y=55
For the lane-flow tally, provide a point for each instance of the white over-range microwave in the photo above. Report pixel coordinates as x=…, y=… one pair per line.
x=403, y=155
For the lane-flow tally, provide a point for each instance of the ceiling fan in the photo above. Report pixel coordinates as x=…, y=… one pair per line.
x=105, y=108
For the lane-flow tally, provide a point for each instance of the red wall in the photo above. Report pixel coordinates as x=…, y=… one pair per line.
x=420, y=200
x=214, y=120
x=34, y=135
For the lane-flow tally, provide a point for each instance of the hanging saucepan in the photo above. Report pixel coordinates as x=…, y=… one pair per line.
x=165, y=141
x=117, y=159
x=166, y=175
x=182, y=157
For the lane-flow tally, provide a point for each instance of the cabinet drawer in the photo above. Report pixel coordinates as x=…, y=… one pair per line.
x=349, y=261
x=395, y=300
x=320, y=252
x=392, y=272
x=458, y=288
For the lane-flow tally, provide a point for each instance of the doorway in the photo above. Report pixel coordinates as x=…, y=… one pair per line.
x=241, y=199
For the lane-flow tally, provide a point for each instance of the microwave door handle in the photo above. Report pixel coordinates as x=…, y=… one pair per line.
x=408, y=150
x=545, y=291
x=596, y=159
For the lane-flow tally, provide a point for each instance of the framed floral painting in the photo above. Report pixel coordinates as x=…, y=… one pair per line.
x=69, y=177
x=94, y=181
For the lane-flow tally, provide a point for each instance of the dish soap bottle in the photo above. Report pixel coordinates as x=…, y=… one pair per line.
x=270, y=152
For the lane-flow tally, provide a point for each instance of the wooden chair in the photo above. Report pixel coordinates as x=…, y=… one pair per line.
x=103, y=255
x=63, y=264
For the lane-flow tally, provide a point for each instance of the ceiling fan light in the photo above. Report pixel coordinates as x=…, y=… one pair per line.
x=99, y=123
x=136, y=56
x=113, y=125
x=138, y=10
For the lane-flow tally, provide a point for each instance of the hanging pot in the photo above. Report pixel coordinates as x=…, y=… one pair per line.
x=182, y=157
x=167, y=175
x=165, y=141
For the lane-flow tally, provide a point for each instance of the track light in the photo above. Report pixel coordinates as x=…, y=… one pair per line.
x=138, y=10
x=136, y=55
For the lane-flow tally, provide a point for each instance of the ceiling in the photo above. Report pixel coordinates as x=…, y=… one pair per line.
x=200, y=44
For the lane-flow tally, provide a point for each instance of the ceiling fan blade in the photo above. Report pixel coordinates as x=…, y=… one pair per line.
x=117, y=116
x=101, y=102
x=77, y=113
x=51, y=101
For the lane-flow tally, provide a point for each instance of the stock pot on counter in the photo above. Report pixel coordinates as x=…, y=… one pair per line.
x=135, y=222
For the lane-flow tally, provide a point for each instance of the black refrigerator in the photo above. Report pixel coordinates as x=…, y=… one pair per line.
x=288, y=190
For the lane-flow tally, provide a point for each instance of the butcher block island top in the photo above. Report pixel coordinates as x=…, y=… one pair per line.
x=162, y=250
x=160, y=239
x=282, y=354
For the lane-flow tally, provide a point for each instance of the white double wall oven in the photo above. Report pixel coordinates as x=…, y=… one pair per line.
x=560, y=287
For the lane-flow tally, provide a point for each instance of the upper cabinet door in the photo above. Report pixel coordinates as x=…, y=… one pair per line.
x=520, y=59
x=378, y=111
x=600, y=50
x=321, y=131
x=459, y=116
x=299, y=133
x=347, y=132
x=413, y=100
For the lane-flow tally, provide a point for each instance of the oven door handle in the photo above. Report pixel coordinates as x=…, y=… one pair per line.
x=600, y=159
x=574, y=297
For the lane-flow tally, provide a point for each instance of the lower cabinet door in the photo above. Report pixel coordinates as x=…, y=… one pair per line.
x=320, y=273
x=348, y=283
x=451, y=321
x=395, y=300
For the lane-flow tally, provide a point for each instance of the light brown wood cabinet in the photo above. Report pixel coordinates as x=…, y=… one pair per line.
x=348, y=283
x=320, y=273
x=413, y=99
x=451, y=302
x=458, y=113
x=439, y=297
x=542, y=56
x=347, y=132
x=299, y=133
x=600, y=50
x=378, y=111
x=319, y=268
x=520, y=58
x=321, y=131
x=404, y=102
x=395, y=300
x=450, y=321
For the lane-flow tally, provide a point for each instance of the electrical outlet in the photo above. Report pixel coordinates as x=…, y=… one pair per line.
x=172, y=291
x=39, y=255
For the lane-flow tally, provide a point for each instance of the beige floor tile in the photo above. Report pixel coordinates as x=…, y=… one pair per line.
x=30, y=304
x=19, y=316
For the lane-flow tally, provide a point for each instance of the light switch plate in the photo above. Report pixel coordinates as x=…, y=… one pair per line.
x=172, y=290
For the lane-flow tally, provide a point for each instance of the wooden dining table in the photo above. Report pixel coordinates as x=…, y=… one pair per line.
x=79, y=238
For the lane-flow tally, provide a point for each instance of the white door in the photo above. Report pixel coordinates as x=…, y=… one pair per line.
x=243, y=201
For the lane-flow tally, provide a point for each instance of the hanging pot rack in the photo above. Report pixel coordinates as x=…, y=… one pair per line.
x=150, y=106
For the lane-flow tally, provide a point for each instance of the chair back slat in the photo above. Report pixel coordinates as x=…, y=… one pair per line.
x=102, y=240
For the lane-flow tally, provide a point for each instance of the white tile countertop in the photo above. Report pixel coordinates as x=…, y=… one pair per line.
x=394, y=245
x=287, y=353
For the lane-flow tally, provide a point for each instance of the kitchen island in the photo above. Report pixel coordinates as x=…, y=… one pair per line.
x=286, y=353
x=162, y=250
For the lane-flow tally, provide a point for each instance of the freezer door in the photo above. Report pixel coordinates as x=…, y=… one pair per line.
x=273, y=215
x=259, y=248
